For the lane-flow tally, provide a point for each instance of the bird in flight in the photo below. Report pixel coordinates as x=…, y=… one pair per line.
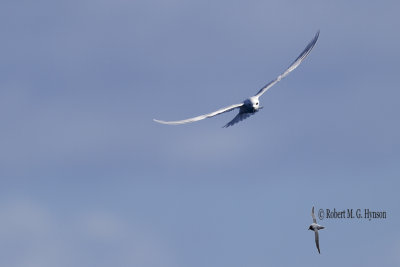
x=252, y=104
x=315, y=227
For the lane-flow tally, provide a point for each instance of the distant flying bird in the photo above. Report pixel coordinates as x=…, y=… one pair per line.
x=251, y=105
x=315, y=227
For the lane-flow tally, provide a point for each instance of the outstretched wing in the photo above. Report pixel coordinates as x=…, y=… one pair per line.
x=317, y=240
x=313, y=215
x=201, y=117
x=294, y=65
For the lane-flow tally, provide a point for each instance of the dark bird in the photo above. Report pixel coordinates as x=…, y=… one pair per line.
x=315, y=227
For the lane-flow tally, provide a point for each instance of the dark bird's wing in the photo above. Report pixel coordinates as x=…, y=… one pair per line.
x=239, y=117
x=313, y=215
x=202, y=117
x=294, y=65
x=317, y=240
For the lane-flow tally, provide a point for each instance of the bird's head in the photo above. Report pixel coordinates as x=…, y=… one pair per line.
x=310, y=228
x=255, y=104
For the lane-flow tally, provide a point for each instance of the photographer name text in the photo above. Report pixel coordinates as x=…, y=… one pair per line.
x=366, y=214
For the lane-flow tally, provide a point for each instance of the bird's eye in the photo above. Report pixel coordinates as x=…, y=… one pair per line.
x=257, y=103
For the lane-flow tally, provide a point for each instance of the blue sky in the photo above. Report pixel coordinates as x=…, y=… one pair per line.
x=88, y=179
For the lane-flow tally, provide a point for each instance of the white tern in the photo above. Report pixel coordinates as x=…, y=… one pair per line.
x=251, y=105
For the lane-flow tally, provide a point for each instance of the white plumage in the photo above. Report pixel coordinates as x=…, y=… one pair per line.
x=251, y=105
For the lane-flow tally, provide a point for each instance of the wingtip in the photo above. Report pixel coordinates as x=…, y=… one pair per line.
x=158, y=121
x=316, y=36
